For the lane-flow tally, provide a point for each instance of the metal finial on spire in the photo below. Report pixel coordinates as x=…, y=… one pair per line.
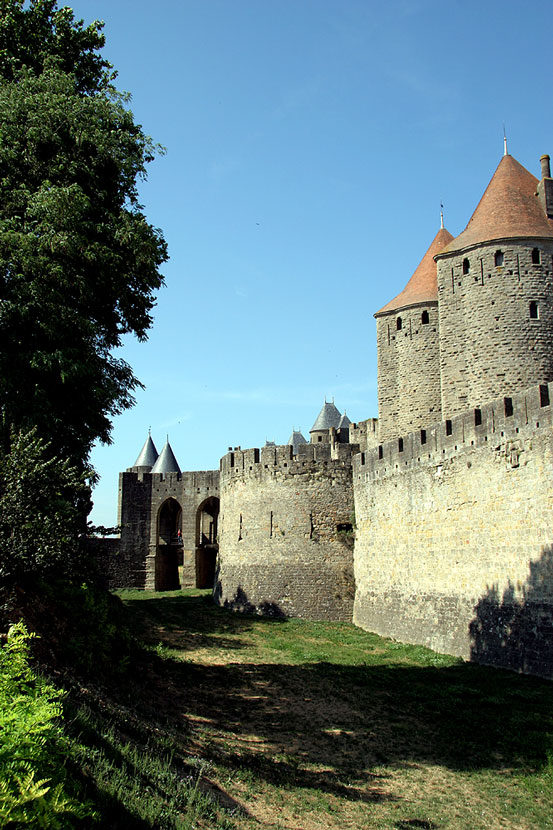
x=505, y=152
x=441, y=216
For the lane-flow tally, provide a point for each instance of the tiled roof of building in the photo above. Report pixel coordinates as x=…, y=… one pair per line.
x=508, y=209
x=295, y=440
x=166, y=462
x=423, y=285
x=344, y=421
x=328, y=417
x=148, y=454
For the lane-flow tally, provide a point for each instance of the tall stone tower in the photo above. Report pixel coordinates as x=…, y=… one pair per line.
x=409, y=394
x=495, y=292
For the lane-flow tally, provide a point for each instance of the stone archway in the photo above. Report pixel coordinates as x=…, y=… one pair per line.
x=168, y=546
x=207, y=545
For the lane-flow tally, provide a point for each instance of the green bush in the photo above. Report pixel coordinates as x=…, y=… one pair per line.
x=34, y=786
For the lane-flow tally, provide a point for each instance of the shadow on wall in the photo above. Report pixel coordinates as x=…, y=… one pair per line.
x=240, y=602
x=516, y=632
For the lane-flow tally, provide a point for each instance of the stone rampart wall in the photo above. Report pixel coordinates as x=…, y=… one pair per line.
x=365, y=434
x=284, y=542
x=454, y=541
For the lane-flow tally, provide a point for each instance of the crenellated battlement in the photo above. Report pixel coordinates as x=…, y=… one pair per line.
x=503, y=418
x=365, y=433
x=278, y=461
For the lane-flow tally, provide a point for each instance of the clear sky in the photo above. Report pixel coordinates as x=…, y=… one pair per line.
x=309, y=145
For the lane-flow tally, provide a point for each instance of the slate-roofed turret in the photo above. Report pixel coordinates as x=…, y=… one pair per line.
x=148, y=454
x=295, y=440
x=344, y=421
x=329, y=416
x=166, y=462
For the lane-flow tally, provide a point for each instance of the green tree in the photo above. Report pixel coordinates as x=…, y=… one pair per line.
x=79, y=263
x=40, y=512
x=38, y=35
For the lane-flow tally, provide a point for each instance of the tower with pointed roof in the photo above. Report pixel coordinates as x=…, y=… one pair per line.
x=495, y=292
x=328, y=418
x=409, y=390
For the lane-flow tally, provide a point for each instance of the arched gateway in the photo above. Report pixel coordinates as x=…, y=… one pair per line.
x=168, y=545
x=207, y=545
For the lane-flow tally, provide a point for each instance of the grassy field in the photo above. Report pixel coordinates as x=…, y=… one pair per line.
x=234, y=721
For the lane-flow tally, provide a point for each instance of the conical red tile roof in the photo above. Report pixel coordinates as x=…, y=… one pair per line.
x=423, y=286
x=508, y=209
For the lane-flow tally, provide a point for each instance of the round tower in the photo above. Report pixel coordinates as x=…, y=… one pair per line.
x=409, y=395
x=495, y=292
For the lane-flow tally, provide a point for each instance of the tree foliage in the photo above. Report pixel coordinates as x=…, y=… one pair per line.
x=38, y=35
x=79, y=263
x=40, y=511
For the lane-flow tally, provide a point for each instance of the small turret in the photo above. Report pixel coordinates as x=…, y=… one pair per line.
x=147, y=457
x=328, y=417
x=295, y=440
x=166, y=462
x=343, y=429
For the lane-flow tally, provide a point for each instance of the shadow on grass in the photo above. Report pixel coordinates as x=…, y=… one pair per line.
x=191, y=622
x=332, y=727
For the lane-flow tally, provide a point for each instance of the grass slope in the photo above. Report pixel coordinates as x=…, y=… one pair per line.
x=234, y=721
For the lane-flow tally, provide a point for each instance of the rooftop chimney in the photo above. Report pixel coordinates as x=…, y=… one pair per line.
x=545, y=187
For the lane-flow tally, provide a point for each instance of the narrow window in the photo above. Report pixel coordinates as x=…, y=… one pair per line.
x=399, y=324
x=425, y=319
x=240, y=529
x=256, y=456
x=400, y=444
x=544, y=395
x=466, y=266
x=319, y=437
x=477, y=417
x=535, y=256
x=423, y=436
x=448, y=427
x=271, y=526
x=498, y=259
x=508, y=402
x=232, y=459
x=380, y=453
x=534, y=310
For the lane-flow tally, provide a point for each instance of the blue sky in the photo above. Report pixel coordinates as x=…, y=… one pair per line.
x=309, y=145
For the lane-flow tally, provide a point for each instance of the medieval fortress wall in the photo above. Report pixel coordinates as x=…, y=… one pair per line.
x=448, y=495
x=454, y=534
x=284, y=540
